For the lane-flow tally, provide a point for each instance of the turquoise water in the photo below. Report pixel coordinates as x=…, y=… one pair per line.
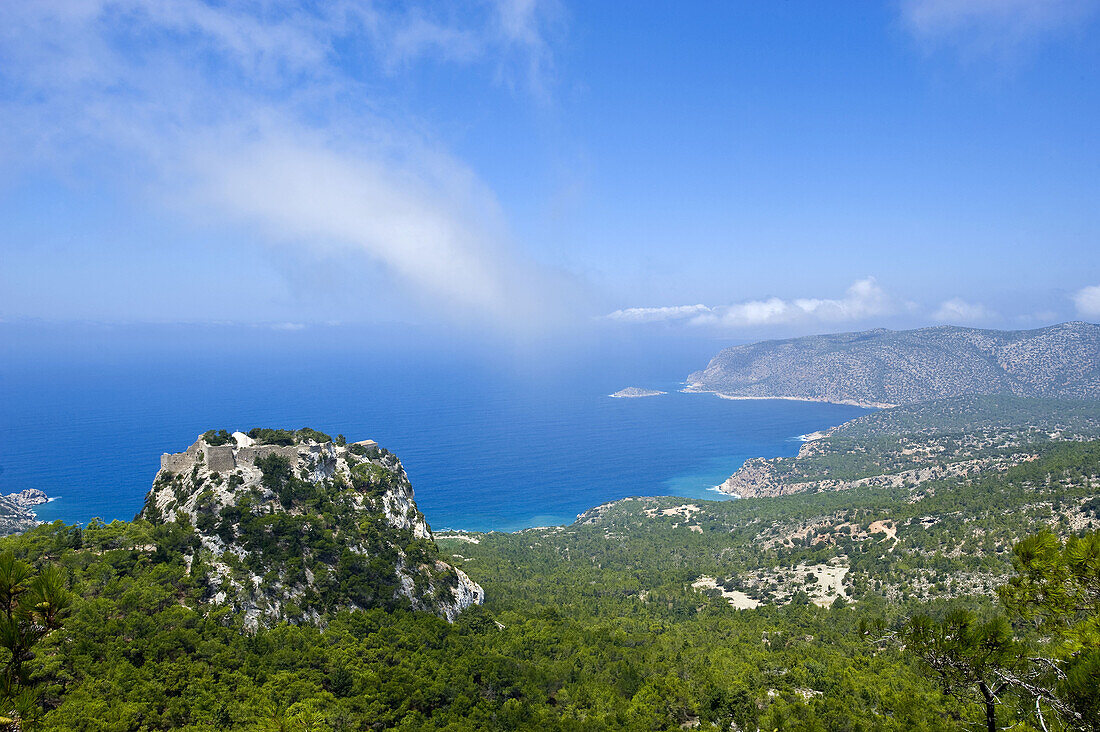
x=489, y=443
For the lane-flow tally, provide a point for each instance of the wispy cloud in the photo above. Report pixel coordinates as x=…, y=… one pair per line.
x=658, y=314
x=513, y=35
x=255, y=113
x=287, y=326
x=1087, y=300
x=864, y=299
x=429, y=221
x=958, y=311
x=992, y=26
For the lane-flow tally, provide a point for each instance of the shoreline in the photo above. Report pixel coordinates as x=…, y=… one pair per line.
x=725, y=495
x=18, y=514
x=739, y=398
x=456, y=532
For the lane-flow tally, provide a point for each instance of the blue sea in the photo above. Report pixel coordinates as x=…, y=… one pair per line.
x=492, y=437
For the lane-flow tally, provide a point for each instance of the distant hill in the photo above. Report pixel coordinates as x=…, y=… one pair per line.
x=886, y=367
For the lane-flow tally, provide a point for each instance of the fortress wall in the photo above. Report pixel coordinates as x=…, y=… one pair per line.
x=249, y=455
x=220, y=459
x=224, y=459
x=180, y=462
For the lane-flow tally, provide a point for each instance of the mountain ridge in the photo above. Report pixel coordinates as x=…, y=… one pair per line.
x=883, y=368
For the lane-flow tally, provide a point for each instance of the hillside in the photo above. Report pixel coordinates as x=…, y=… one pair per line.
x=287, y=525
x=646, y=613
x=948, y=536
x=917, y=443
x=884, y=367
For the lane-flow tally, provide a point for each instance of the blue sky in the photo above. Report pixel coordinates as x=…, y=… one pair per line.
x=526, y=166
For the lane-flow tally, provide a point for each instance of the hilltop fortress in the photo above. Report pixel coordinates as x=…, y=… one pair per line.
x=288, y=525
x=244, y=451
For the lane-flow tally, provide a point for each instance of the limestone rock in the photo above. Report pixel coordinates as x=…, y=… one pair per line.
x=16, y=511
x=291, y=531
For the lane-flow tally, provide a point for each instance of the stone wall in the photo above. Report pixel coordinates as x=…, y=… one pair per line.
x=249, y=455
x=224, y=458
x=182, y=462
x=220, y=459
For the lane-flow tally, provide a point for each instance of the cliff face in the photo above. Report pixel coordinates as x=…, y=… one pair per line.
x=289, y=531
x=884, y=367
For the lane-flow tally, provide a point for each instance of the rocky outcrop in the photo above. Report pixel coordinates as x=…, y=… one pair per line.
x=16, y=511
x=884, y=367
x=27, y=498
x=756, y=478
x=289, y=532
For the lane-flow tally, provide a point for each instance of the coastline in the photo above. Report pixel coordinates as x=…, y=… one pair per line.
x=17, y=512
x=723, y=494
x=738, y=397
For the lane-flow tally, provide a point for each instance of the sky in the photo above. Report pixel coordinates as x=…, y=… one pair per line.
x=733, y=169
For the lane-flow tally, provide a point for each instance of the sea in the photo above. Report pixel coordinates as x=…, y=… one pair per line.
x=494, y=436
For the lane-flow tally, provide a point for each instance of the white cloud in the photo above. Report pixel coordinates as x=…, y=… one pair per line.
x=957, y=310
x=248, y=111
x=652, y=315
x=992, y=26
x=864, y=299
x=432, y=224
x=1087, y=300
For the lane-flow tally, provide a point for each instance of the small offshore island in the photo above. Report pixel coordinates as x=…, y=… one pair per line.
x=634, y=392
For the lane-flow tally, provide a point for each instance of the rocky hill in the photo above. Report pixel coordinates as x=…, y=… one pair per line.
x=288, y=525
x=884, y=367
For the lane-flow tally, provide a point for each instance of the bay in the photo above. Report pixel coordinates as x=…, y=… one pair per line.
x=490, y=442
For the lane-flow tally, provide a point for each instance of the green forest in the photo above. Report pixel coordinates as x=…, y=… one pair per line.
x=970, y=601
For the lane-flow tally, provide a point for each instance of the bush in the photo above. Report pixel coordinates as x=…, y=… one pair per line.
x=215, y=438
x=266, y=436
x=307, y=433
x=374, y=480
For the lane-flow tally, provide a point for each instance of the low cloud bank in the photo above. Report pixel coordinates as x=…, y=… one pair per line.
x=864, y=299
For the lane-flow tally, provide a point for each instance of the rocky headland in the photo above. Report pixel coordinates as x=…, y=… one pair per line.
x=17, y=510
